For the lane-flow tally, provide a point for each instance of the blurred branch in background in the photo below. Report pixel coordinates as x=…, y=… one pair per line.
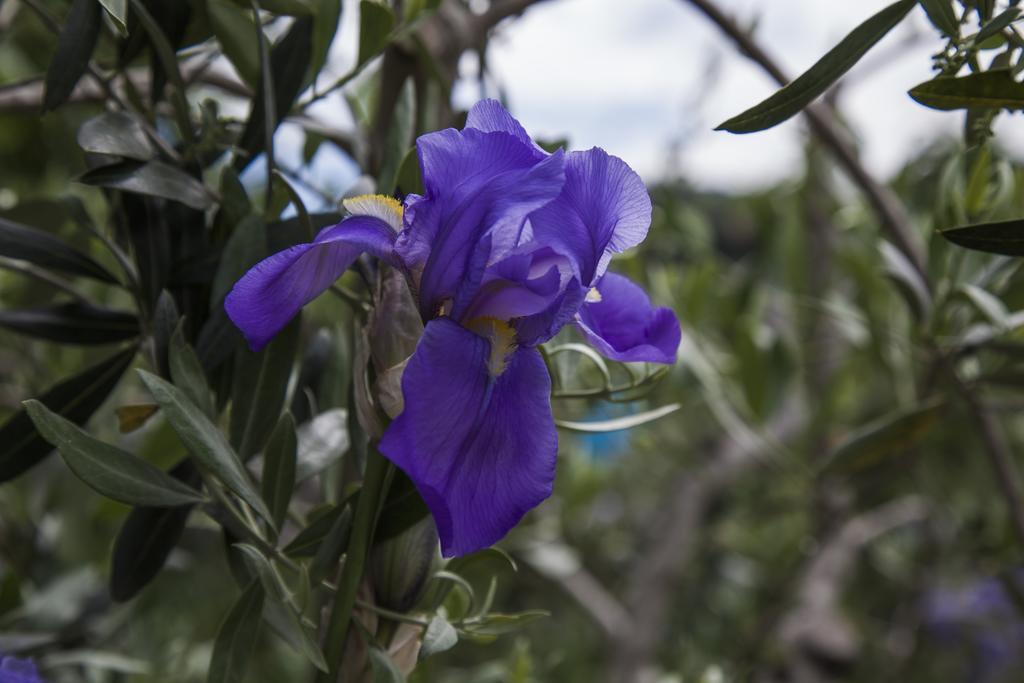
x=674, y=538
x=892, y=216
x=814, y=634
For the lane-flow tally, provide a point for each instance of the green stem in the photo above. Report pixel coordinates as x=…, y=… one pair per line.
x=363, y=524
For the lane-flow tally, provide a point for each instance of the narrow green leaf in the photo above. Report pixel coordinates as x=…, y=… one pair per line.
x=147, y=538
x=987, y=304
x=204, y=441
x=1002, y=237
x=439, y=636
x=165, y=53
x=296, y=633
x=889, y=435
x=153, y=178
x=236, y=33
x=289, y=61
x=499, y=624
x=308, y=541
x=296, y=8
x=107, y=469
x=399, y=137
x=997, y=24
x=76, y=399
x=409, y=180
x=296, y=200
x=279, y=468
x=977, y=188
x=375, y=23
x=72, y=323
x=788, y=101
x=628, y=422
x=164, y=323
x=43, y=249
x=943, y=16
x=403, y=507
x=259, y=565
x=331, y=547
x=118, y=134
x=246, y=247
x=985, y=8
x=384, y=668
x=328, y=16
x=907, y=278
x=98, y=660
x=260, y=388
x=74, y=50
x=217, y=340
x=267, y=100
x=187, y=373
x=236, y=638
x=984, y=90
x=118, y=11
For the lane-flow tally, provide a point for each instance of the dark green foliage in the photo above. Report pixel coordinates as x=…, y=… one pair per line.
x=76, y=399
x=74, y=50
x=987, y=89
x=21, y=242
x=148, y=536
x=72, y=323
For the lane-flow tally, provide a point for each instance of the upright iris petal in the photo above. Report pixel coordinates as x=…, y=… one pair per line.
x=603, y=209
x=477, y=184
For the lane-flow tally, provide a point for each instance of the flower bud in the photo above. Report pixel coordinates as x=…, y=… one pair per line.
x=402, y=565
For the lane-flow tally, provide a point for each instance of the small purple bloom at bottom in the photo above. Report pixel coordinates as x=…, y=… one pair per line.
x=15, y=670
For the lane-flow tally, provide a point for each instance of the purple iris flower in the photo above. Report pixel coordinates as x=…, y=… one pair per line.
x=507, y=245
x=15, y=670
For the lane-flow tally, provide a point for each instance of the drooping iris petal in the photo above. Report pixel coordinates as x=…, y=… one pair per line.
x=488, y=116
x=624, y=326
x=480, y=449
x=604, y=209
x=275, y=289
x=476, y=184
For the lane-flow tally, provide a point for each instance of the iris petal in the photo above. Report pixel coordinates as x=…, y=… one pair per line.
x=480, y=450
x=275, y=289
x=488, y=116
x=476, y=184
x=603, y=209
x=623, y=325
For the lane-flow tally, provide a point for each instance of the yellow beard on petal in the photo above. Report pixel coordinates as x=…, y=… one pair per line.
x=502, y=338
x=387, y=209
